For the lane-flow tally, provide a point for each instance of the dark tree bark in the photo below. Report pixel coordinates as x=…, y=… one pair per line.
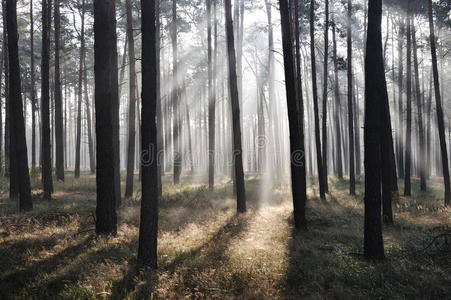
x=296, y=123
x=175, y=99
x=13, y=191
x=132, y=102
x=32, y=90
x=375, y=90
x=160, y=121
x=148, y=229
x=338, y=138
x=80, y=90
x=299, y=91
x=45, y=97
x=59, y=141
x=428, y=129
x=438, y=103
x=17, y=124
x=422, y=157
x=400, y=105
x=1, y=112
x=350, y=112
x=325, y=94
x=315, y=102
x=211, y=106
x=107, y=115
x=237, y=149
x=408, y=145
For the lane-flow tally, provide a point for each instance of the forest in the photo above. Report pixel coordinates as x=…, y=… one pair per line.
x=225, y=149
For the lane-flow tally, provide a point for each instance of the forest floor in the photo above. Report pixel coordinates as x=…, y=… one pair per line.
x=205, y=250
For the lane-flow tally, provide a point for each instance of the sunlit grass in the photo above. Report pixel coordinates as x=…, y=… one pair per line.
x=207, y=251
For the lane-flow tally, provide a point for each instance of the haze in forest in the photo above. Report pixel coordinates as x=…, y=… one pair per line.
x=225, y=149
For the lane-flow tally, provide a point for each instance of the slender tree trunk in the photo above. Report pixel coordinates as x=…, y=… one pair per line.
x=237, y=149
x=400, y=105
x=350, y=112
x=375, y=90
x=338, y=105
x=17, y=124
x=407, y=170
x=428, y=133
x=175, y=99
x=190, y=146
x=148, y=229
x=211, y=106
x=59, y=141
x=296, y=124
x=215, y=76
x=422, y=157
x=315, y=102
x=160, y=133
x=325, y=94
x=92, y=164
x=438, y=103
x=13, y=184
x=32, y=90
x=1, y=112
x=107, y=115
x=45, y=109
x=132, y=103
x=80, y=91
x=357, y=130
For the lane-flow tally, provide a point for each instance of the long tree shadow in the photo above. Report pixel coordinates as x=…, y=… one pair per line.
x=208, y=255
x=13, y=282
x=78, y=271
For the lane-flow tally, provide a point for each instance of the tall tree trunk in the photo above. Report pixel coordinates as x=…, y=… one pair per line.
x=271, y=83
x=190, y=146
x=400, y=105
x=59, y=141
x=175, y=99
x=211, y=106
x=375, y=90
x=315, y=102
x=1, y=112
x=107, y=115
x=338, y=105
x=160, y=133
x=132, y=102
x=32, y=90
x=45, y=109
x=215, y=76
x=408, y=145
x=92, y=165
x=148, y=229
x=357, y=130
x=422, y=157
x=325, y=94
x=13, y=187
x=350, y=112
x=17, y=124
x=428, y=130
x=296, y=123
x=438, y=103
x=80, y=90
x=237, y=149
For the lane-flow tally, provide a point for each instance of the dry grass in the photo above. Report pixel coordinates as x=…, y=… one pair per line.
x=207, y=251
